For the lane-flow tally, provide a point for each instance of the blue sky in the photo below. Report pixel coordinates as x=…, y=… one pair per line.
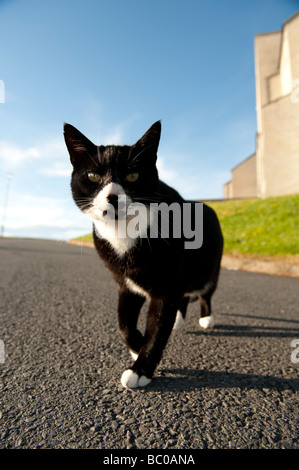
x=112, y=68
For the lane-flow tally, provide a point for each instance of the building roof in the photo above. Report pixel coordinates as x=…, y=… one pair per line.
x=243, y=161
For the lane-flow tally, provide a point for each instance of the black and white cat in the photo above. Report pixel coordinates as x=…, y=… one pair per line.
x=111, y=184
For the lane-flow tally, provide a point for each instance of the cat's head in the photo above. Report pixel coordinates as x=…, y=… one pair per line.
x=101, y=174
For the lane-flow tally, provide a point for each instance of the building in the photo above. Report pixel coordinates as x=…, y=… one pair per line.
x=274, y=169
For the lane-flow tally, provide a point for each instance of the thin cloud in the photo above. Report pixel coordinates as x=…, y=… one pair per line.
x=12, y=155
x=59, y=169
x=44, y=217
x=52, y=151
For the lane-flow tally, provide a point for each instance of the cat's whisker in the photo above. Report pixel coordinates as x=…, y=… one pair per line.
x=96, y=163
x=155, y=227
x=146, y=219
x=86, y=199
x=141, y=151
x=84, y=206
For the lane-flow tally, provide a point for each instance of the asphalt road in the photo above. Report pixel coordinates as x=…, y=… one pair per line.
x=234, y=387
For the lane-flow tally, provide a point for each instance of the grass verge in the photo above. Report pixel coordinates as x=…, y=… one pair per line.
x=264, y=227
x=256, y=227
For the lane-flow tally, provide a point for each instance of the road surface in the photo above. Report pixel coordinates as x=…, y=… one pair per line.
x=234, y=387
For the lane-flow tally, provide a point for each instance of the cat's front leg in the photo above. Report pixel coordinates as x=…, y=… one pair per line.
x=129, y=306
x=160, y=321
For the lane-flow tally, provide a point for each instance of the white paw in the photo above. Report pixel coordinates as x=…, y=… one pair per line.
x=207, y=322
x=179, y=320
x=130, y=379
x=134, y=355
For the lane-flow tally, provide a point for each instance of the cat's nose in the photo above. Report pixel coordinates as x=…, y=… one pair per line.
x=113, y=200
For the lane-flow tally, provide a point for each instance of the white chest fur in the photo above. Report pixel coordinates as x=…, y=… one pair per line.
x=110, y=233
x=120, y=233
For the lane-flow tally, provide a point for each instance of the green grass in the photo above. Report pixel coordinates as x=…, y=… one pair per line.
x=85, y=238
x=263, y=227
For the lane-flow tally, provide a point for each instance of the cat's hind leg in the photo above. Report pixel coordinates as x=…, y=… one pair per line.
x=206, y=319
x=182, y=311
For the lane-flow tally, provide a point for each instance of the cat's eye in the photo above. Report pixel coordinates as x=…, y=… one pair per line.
x=93, y=177
x=132, y=177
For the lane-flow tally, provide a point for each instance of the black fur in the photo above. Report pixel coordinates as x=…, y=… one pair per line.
x=161, y=267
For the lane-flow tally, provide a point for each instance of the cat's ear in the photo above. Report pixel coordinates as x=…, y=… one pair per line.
x=77, y=144
x=151, y=138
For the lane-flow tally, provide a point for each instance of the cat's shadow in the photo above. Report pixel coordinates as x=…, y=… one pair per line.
x=257, y=326
x=249, y=331
x=184, y=380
